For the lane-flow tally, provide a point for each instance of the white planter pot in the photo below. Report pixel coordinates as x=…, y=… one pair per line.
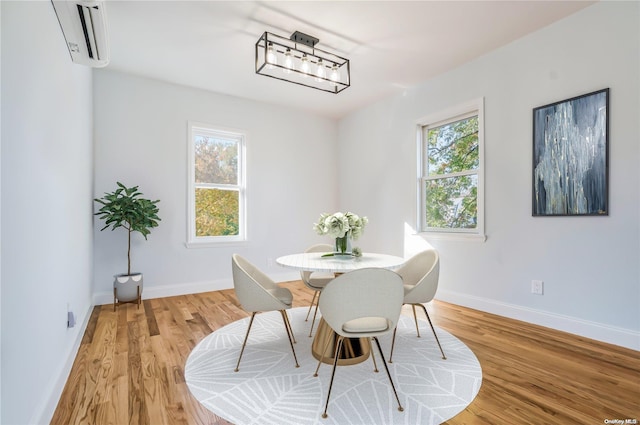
x=127, y=288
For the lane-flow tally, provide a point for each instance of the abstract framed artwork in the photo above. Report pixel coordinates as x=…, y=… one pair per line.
x=571, y=156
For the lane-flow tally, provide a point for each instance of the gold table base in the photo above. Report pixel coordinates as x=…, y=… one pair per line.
x=354, y=350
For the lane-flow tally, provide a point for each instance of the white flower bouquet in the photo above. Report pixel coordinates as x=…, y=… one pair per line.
x=343, y=227
x=339, y=225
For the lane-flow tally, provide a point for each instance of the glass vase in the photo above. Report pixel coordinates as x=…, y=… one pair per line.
x=343, y=245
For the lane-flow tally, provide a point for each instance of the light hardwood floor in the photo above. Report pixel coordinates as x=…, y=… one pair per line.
x=130, y=366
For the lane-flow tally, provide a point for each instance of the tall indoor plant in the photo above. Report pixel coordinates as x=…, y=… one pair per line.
x=126, y=208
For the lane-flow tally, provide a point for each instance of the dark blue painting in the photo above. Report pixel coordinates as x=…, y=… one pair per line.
x=570, y=156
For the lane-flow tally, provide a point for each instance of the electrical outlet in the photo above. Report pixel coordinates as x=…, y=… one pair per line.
x=71, y=319
x=269, y=262
x=537, y=287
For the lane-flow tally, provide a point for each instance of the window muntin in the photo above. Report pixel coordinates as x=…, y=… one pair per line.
x=451, y=175
x=216, y=186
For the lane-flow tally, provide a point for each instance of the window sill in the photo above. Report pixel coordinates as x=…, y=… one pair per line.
x=221, y=244
x=471, y=237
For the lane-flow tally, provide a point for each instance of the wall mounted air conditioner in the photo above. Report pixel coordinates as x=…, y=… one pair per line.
x=84, y=26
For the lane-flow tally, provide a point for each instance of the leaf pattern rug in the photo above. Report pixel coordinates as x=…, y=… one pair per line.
x=269, y=389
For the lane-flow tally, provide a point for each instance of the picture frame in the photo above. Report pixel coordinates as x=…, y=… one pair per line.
x=571, y=156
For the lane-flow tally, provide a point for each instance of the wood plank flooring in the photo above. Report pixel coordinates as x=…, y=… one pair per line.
x=130, y=366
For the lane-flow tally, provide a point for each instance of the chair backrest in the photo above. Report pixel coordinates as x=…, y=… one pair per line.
x=422, y=272
x=321, y=247
x=362, y=293
x=253, y=287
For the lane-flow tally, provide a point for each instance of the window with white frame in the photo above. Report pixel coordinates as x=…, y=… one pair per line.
x=216, y=185
x=451, y=195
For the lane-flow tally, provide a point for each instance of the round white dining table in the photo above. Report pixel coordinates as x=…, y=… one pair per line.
x=314, y=261
x=354, y=350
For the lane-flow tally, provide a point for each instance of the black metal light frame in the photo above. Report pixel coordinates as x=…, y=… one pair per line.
x=299, y=45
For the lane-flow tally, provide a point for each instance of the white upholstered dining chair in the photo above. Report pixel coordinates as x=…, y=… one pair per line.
x=316, y=281
x=258, y=293
x=364, y=303
x=420, y=278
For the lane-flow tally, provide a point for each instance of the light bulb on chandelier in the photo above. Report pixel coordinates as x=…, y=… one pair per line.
x=321, y=73
x=272, y=58
x=304, y=66
x=288, y=62
x=335, y=75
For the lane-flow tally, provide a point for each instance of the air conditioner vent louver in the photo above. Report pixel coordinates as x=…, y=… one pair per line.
x=84, y=27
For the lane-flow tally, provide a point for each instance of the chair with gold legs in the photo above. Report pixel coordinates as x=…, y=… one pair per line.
x=364, y=303
x=258, y=293
x=316, y=281
x=420, y=278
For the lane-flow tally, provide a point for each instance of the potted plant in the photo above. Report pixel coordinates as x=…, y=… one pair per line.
x=125, y=208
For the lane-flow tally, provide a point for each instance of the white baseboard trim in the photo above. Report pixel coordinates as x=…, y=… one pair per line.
x=173, y=290
x=593, y=330
x=44, y=412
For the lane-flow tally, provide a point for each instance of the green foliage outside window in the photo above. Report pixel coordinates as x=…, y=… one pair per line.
x=451, y=192
x=452, y=202
x=216, y=212
x=216, y=160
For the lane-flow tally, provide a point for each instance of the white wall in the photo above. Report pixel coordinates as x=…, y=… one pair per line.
x=46, y=224
x=590, y=265
x=141, y=139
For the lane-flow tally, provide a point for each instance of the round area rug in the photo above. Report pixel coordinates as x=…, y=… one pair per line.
x=269, y=389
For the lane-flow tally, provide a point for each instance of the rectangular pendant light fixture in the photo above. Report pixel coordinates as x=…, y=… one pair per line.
x=297, y=60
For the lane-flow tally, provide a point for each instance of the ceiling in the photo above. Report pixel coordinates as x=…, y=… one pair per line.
x=392, y=45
